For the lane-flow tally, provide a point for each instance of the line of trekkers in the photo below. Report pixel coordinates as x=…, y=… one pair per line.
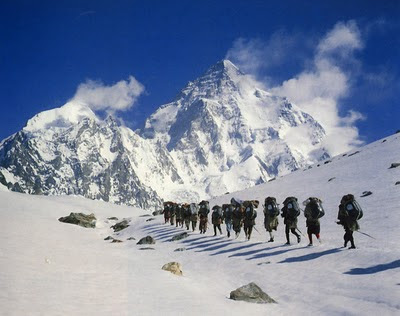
x=240, y=214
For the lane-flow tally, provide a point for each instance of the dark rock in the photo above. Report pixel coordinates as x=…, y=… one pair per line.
x=180, y=236
x=131, y=238
x=16, y=188
x=344, y=155
x=251, y=293
x=331, y=179
x=156, y=213
x=394, y=165
x=328, y=161
x=145, y=215
x=148, y=240
x=150, y=219
x=109, y=238
x=366, y=193
x=398, y=182
x=318, y=165
x=88, y=221
x=180, y=249
x=116, y=241
x=355, y=153
x=146, y=248
x=262, y=263
x=113, y=218
x=384, y=141
x=3, y=180
x=270, y=180
x=120, y=226
x=398, y=131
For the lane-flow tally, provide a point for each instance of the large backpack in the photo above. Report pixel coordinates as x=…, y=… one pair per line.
x=227, y=211
x=204, y=208
x=217, y=212
x=352, y=208
x=194, y=209
x=316, y=209
x=249, y=210
x=292, y=207
x=271, y=207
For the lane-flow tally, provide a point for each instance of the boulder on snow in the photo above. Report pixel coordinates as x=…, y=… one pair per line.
x=87, y=221
x=251, y=293
x=109, y=238
x=146, y=248
x=331, y=179
x=180, y=236
x=394, y=165
x=116, y=241
x=398, y=182
x=366, y=193
x=148, y=240
x=120, y=226
x=173, y=267
x=150, y=219
x=113, y=218
x=156, y=213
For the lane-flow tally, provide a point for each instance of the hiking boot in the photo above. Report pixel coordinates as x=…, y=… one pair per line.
x=215, y=234
x=271, y=240
x=288, y=243
x=310, y=245
x=352, y=247
x=229, y=234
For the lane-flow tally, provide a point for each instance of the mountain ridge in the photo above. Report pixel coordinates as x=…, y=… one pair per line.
x=222, y=133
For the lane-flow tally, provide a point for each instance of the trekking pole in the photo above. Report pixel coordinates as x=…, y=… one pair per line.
x=300, y=232
x=365, y=234
x=256, y=229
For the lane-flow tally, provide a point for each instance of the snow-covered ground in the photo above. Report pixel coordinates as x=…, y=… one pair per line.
x=52, y=268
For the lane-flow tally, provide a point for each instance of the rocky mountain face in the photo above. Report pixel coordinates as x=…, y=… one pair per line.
x=222, y=133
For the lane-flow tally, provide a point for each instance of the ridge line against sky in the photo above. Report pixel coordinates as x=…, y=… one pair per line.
x=346, y=63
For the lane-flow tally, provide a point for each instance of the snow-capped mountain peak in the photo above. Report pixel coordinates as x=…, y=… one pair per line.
x=223, y=132
x=70, y=114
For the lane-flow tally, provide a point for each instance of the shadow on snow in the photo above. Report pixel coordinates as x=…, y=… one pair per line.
x=375, y=269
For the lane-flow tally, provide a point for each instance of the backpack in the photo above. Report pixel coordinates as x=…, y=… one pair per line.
x=316, y=209
x=217, y=212
x=227, y=211
x=352, y=208
x=271, y=206
x=249, y=211
x=204, y=208
x=194, y=209
x=292, y=207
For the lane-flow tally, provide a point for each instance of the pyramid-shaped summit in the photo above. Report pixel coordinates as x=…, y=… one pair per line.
x=226, y=133
x=222, y=133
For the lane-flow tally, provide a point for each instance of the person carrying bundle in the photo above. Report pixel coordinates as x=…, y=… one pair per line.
x=216, y=218
x=290, y=212
x=237, y=216
x=313, y=212
x=227, y=210
x=250, y=215
x=194, y=210
x=271, y=212
x=204, y=210
x=349, y=214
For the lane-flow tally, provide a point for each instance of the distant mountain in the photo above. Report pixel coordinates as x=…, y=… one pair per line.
x=222, y=133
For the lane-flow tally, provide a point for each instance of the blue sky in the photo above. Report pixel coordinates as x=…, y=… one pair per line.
x=50, y=48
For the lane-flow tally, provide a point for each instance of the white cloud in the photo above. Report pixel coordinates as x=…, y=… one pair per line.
x=321, y=85
x=118, y=97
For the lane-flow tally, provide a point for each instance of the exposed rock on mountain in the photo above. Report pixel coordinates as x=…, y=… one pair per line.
x=221, y=134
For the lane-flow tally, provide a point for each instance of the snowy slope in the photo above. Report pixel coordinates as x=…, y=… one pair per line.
x=51, y=268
